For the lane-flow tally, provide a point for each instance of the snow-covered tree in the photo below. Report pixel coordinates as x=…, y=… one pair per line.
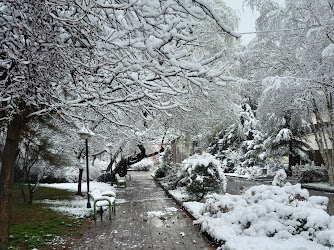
x=36, y=150
x=226, y=147
x=252, y=145
x=294, y=43
x=286, y=128
x=29, y=65
x=240, y=146
x=98, y=62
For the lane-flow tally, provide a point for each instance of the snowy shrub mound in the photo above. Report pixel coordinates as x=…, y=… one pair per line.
x=144, y=165
x=252, y=171
x=310, y=173
x=269, y=217
x=279, y=178
x=202, y=174
x=163, y=170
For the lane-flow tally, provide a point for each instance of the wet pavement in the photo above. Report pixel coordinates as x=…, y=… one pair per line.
x=146, y=218
x=237, y=185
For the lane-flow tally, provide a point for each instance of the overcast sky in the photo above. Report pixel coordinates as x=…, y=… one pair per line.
x=247, y=18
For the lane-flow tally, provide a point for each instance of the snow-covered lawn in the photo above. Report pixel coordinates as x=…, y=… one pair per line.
x=74, y=186
x=266, y=217
x=76, y=207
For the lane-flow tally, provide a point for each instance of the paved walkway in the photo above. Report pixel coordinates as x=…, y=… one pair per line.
x=145, y=219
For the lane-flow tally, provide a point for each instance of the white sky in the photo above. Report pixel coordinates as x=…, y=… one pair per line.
x=247, y=19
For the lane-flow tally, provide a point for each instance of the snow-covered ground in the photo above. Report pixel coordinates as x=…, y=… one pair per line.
x=179, y=194
x=76, y=207
x=167, y=210
x=264, y=217
x=74, y=186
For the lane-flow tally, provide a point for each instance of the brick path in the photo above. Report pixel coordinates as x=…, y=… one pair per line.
x=138, y=224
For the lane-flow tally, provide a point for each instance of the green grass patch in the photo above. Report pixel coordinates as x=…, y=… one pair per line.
x=36, y=225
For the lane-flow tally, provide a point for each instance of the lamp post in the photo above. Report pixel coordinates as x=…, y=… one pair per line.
x=85, y=134
x=110, y=146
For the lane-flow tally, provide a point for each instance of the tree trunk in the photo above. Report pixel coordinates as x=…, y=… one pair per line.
x=31, y=196
x=122, y=166
x=331, y=175
x=22, y=192
x=32, y=190
x=80, y=181
x=289, y=170
x=10, y=153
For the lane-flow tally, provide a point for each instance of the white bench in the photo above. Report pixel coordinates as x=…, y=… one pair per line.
x=120, y=181
x=106, y=198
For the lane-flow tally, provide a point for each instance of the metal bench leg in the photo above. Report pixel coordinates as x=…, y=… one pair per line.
x=110, y=211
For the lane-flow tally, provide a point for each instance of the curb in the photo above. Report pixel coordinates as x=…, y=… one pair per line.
x=176, y=200
x=213, y=241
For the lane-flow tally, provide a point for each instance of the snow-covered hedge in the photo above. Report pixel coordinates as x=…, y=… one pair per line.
x=197, y=175
x=253, y=171
x=268, y=217
x=202, y=174
x=71, y=173
x=279, y=178
x=310, y=173
x=144, y=165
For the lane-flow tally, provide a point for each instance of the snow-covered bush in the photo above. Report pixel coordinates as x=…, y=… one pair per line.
x=202, y=174
x=269, y=216
x=163, y=170
x=310, y=173
x=274, y=166
x=172, y=175
x=279, y=178
x=144, y=165
x=251, y=171
x=58, y=175
x=71, y=173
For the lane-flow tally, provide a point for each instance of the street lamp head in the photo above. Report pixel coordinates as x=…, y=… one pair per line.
x=85, y=133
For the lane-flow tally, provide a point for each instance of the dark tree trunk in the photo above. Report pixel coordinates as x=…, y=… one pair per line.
x=122, y=166
x=10, y=153
x=31, y=193
x=32, y=189
x=23, y=193
x=80, y=181
x=289, y=170
x=80, y=174
x=112, y=173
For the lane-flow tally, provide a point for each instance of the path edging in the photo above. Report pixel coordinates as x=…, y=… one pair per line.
x=180, y=203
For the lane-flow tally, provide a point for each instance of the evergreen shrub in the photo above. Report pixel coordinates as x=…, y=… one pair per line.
x=162, y=170
x=201, y=175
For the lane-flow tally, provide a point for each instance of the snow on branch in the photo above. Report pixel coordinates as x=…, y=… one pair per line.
x=207, y=8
